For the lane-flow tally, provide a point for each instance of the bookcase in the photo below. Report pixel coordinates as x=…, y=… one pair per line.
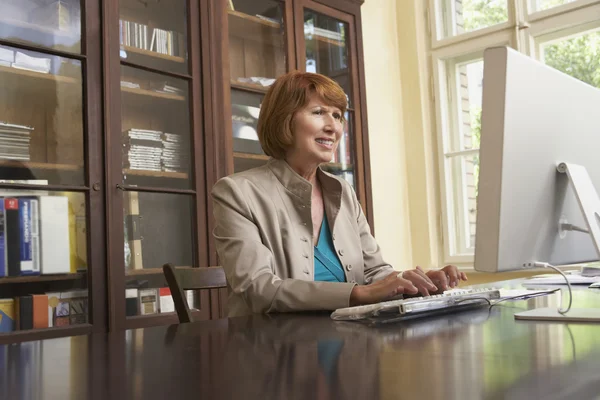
x=116, y=118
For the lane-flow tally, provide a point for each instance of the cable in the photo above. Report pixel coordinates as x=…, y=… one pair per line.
x=538, y=264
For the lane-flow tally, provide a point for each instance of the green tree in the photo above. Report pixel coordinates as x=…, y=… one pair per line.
x=482, y=13
x=578, y=57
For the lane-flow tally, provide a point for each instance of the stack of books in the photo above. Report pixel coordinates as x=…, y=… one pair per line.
x=29, y=63
x=14, y=141
x=166, y=88
x=173, y=159
x=142, y=149
x=17, y=59
x=131, y=85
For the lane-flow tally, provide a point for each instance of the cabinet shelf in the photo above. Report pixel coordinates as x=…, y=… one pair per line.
x=45, y=333
x=41, y=278
x=34, y=27
x=323, y=39
x=150, y=93
x=250, y=87
x=156, y=174
x=38, y=75
x=154, y=54
x=144, y=271
x=39, y=165
x=249, y=156
x=338, y=167
x=253, y=28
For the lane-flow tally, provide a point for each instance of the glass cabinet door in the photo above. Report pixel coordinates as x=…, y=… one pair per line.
x=43, y=226
x=156, y=158
x=326, y=52
x=257, y=55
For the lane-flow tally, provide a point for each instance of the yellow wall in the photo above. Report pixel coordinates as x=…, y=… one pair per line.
x=402, y=143
x=386, y=131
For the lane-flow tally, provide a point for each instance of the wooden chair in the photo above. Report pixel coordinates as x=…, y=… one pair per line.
x=186, y=278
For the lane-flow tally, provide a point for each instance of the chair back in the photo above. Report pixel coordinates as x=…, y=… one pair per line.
x=187, y=278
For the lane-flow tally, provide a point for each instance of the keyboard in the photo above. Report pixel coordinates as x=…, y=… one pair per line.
x=449, y=301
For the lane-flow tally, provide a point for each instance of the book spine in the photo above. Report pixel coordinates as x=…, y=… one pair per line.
x=28, y=218
x=7, y=315
x=40, y=311
x=25, y=312
x=12, y=236
x=2, y=240
x=54, y=235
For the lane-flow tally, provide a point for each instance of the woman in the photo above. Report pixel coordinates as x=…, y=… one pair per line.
x=292, y=237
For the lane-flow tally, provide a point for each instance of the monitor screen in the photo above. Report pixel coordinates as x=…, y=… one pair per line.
x=533, y=118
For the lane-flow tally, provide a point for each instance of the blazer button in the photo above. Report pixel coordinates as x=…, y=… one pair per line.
x=341, y=252
x=305, y=255
x=348, y=267
x=305, y=240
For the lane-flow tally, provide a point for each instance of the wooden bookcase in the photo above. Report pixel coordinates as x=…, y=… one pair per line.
x=141, y=107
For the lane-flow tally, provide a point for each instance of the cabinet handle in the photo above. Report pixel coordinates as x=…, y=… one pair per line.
x=96, y=186
x=120, y=187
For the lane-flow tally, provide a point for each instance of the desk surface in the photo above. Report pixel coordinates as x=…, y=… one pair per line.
x=470, y=355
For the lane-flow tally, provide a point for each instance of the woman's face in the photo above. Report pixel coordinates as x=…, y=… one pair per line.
x=317, y=129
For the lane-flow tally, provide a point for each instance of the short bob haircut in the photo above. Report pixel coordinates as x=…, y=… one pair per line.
x=287, y=96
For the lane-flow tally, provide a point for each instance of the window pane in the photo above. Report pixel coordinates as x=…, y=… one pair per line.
x=45, y=247
x=578, y=56
x=155, y=127
x=154, y=34
x=51, y=24
x=247, y=151
x=256, y=43
x=464, y=177
x=327, y=49
x=41, y=121
x=467, y=110
x=343, y=164
x=539, y=5
x=461, y=16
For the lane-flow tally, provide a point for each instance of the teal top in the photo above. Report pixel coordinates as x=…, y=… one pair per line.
x=327, y=265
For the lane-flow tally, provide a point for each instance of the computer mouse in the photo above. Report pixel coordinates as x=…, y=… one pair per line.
x=595, y=285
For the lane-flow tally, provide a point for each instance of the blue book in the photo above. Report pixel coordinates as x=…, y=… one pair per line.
x=2, y=242
x=29, y=235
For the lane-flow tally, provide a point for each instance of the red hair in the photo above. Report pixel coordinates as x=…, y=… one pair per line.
x=288, y=94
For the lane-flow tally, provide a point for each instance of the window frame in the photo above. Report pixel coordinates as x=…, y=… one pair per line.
x=525, y=31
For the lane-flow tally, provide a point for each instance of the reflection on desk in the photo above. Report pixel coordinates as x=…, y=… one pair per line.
x=475, y=354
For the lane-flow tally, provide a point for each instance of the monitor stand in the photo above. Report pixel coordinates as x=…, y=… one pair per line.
x=589, y=202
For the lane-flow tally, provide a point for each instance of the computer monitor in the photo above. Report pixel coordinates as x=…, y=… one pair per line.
x=534, y=118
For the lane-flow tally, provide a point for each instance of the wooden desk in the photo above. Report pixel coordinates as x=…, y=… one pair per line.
x=470, y=355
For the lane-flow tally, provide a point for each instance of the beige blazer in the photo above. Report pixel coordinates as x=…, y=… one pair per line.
x=264, y=240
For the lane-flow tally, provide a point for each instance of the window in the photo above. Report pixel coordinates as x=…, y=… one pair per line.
x=564, y=34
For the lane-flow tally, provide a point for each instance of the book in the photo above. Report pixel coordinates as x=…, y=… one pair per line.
x=58, y=310
x=54, y=232
x=166, y=300
x=148, y=301
x=12, y=236
x=40, y=311
x=133, y=237
x=7, y=315
x=3, y=271
x=131, y=302
x=29, y=235
x=24, y=312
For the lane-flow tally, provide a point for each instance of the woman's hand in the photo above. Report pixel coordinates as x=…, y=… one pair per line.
x=419, y=278
x=447, y=277
x=381, y=290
